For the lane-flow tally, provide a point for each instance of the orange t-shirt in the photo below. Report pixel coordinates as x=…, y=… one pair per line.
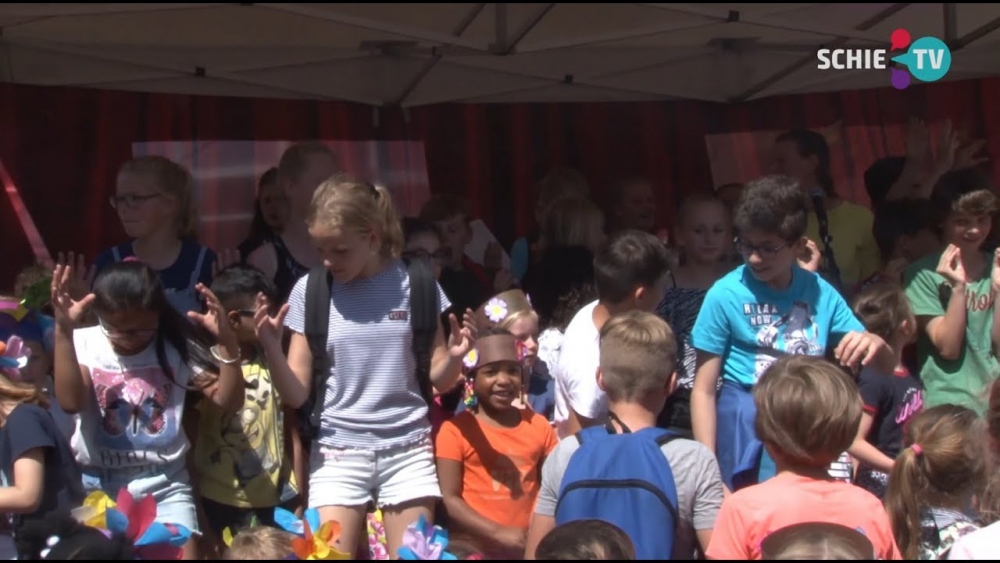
x=502, y=466
x=751, y=514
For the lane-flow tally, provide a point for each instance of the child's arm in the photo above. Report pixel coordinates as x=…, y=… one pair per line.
x=703, y=412
x=995, y=291
x=292, y=374
x=450, y=473
x=71, y=379
x=24, y=496
x=228, y=390
x=446, y=364
x=865, y=452
x=293, y=444
x=947, y=332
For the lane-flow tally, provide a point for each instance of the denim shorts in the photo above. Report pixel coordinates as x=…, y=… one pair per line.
x=356, y=477
x=168, y=484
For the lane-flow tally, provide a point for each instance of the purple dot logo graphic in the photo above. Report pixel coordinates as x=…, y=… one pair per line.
x=900, y=78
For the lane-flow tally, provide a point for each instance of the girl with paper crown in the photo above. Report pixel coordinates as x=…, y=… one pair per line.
x=490, y=497
x=512, y=311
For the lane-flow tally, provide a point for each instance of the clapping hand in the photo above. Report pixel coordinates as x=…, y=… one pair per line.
x=269, y=328
x=950, y=266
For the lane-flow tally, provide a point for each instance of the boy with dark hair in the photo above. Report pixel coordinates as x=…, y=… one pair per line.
x=630, y=273
x=759, y=312
x=903, y=232
x=953, y=294
x=243, y=460
x=467, y=284
x=586, y=540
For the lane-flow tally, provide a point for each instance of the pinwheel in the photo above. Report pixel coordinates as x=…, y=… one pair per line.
x=422, y=541
x=310, y=545
x=14, y=357
x=136, y=520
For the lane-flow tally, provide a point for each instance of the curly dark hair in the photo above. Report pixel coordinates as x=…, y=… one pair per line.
x=773, y=205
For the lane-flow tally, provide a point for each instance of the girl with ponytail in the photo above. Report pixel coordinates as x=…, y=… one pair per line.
x=934, y=480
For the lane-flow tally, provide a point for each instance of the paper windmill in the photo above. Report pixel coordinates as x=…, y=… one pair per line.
x=136, y=520
x=312, y=546
x=227, y=533
x=14, y=357
x=424, y=541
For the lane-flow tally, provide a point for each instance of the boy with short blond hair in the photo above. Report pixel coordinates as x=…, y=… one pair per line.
x=260, y=543
x=808, y=412
x=637, y=361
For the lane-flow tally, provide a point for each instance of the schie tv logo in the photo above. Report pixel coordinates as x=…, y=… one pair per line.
x=927, y=59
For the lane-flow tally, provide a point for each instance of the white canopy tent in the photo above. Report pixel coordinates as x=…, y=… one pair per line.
x=416, y=54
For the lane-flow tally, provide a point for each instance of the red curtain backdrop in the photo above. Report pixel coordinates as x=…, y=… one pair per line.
x=62, y=146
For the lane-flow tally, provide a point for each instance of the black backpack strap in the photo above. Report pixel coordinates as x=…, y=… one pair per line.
x=317, y=324
x=666, y=439
x=423, y=320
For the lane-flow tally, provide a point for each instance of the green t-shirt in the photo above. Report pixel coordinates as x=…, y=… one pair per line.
x=964, y=381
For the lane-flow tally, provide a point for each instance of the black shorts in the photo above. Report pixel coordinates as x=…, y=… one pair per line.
x=221, y=516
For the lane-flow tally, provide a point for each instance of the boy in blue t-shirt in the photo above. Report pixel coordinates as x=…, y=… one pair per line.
x=763, y=310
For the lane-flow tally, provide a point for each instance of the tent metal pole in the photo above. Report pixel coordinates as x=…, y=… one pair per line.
x=436, y=56
x=950, y=21
x=500, y=22
x=532, y=22
x=975, y=35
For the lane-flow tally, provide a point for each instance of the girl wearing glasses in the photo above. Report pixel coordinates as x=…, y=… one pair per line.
x=128, y=378
x=154, y=198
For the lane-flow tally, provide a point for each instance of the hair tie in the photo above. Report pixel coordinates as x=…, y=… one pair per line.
x=917, y=450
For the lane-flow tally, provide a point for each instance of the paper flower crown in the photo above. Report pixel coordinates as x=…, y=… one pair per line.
x=422, y=541
x=314, y=541
x=135, y=519
x=502, y=307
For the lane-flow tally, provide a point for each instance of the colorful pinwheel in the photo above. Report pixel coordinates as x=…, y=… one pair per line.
x=422, y=541
x=313, y=546
x=14, y=357
x=135, y=520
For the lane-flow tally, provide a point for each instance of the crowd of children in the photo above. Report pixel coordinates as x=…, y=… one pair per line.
x=351, y=384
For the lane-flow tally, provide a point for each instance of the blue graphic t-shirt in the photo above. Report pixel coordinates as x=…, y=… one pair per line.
x=750, y=325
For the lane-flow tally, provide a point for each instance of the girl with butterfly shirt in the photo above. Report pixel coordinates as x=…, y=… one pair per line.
x=129, y=376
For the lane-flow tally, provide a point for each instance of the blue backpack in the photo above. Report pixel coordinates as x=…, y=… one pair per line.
x=623, y=479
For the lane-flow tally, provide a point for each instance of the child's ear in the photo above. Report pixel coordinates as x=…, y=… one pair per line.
x=600, y=379
x=671, y=383
x=234, y=318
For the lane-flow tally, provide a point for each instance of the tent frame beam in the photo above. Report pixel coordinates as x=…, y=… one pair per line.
x=78, y=51
x=510, y=46
x=974, y=35
x=950, y=21
x=811, y=58
x=432, y=62
x=309, y=11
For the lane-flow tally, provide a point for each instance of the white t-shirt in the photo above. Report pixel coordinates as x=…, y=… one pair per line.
x=576, y=371
x=981, y=545
x=133, y=416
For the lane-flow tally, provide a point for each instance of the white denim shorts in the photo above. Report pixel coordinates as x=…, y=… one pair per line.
x=356, y=477
x=169, y=484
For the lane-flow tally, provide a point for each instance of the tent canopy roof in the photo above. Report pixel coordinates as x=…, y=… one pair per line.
x=416, y=54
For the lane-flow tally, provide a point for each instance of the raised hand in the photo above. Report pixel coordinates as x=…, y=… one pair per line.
x=82, y=277
x=67, y=310
x=462, y=337
x=269, y=328
x=950, y=266
x=811, y=258
x=968, y=155
x=917, y=140
x=214, y=318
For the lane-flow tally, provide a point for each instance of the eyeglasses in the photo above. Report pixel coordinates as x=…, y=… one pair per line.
x=131, y=200
x=116, y=334
x=766, y=252
x=421, y=254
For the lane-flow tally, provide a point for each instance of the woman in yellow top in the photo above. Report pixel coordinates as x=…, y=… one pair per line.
x=842, y=230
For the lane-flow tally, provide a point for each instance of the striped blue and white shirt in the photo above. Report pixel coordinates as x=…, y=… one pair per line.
x=373, y=400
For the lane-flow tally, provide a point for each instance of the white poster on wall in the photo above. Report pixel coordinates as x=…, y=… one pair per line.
x=226, y=174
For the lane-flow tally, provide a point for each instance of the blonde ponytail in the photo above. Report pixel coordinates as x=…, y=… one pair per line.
x=345, y=202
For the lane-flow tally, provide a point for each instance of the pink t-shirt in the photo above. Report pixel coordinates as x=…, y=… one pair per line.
x=751, y=514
